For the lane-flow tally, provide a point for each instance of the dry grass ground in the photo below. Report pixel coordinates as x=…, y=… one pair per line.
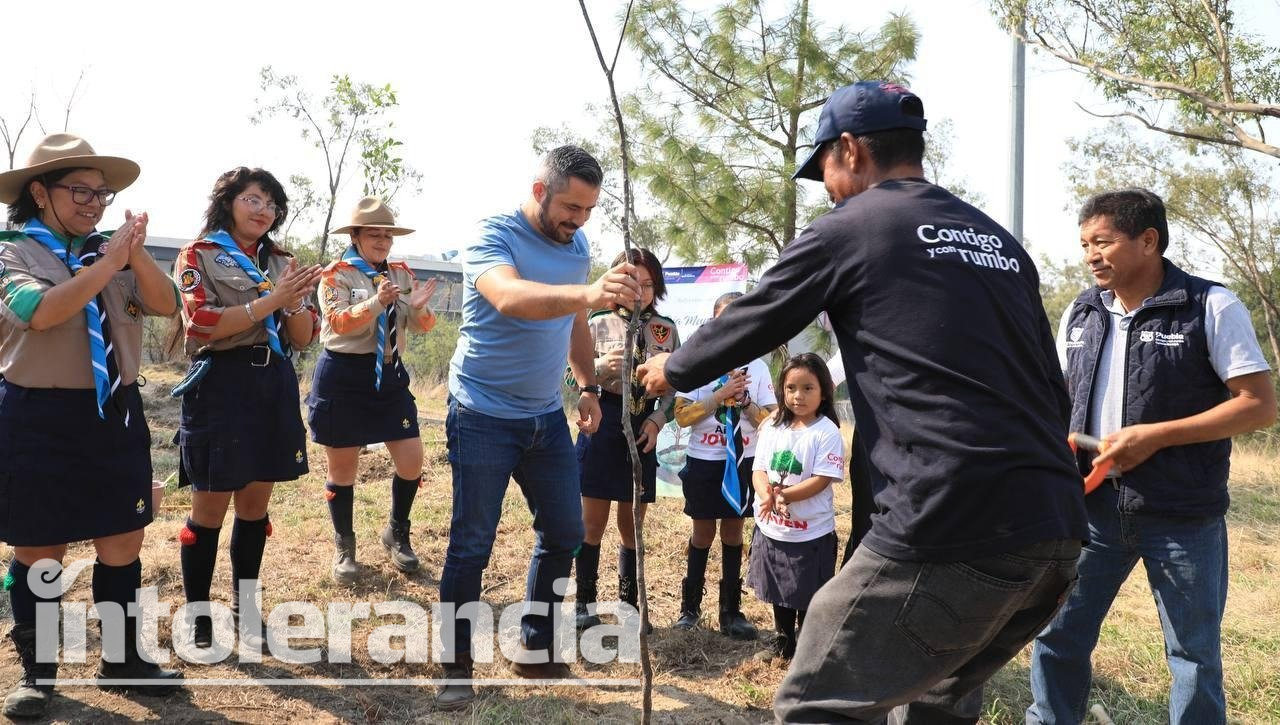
x=700, y=676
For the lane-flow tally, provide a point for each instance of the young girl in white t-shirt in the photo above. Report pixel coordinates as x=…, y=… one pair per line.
x=799, y=455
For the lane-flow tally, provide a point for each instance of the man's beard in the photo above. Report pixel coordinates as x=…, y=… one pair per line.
x=549, y=230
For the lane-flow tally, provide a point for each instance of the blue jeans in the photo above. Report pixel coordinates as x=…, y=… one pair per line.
x=1186, y=563
x=485, y=454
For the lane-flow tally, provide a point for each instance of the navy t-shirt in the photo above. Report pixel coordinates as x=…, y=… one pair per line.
x=955, y=383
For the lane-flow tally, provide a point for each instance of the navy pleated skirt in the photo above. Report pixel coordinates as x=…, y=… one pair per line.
x=242, y=423
x=789, y=573
x=65, y=473
x=346, y=410
x=604, y=462
x=700, y=481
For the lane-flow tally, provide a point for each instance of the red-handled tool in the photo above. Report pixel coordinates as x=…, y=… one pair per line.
x=1097, y=445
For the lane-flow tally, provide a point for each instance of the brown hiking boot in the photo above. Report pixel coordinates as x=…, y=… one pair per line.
x=549, y=670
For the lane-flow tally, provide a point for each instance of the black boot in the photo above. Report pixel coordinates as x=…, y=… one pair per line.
x=199, y=555
x=732, y=622
x=29, y=700
x=628, y=587
x=345, y=569
x=781, y=645
x=586, y=570
x=692, y=587
x=248, y=623
x=396, y=540
x=459, y=695
x=134, y=667
x=690, y=603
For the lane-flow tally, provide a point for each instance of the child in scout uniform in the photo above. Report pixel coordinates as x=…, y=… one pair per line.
x=716, y=479
x=604, y=463
x=76, y=460
x=244, y=310
x=360, y=391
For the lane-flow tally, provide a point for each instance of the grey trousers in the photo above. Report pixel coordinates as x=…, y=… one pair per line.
x=914, y=642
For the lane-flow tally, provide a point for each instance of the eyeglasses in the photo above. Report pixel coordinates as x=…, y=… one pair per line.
x=256, y=205
x=84, y=195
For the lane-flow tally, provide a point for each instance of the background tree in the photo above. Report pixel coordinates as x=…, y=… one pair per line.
x=11, y=131
x=1185, y=68
x=350, y=123
x=718, y=122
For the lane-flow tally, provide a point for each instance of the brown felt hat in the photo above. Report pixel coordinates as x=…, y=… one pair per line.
x=372, y=213
x=66, y=151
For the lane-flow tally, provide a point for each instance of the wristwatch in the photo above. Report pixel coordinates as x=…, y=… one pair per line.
x=596, y=389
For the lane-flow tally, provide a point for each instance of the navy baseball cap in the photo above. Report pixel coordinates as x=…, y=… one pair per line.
x=863, y=107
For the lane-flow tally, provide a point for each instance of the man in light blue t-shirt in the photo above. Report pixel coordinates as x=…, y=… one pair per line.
x=524, y=309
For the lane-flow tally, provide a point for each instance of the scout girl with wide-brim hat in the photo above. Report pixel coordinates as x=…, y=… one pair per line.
x=77, y=452
x=360, y=390
x=244, y=310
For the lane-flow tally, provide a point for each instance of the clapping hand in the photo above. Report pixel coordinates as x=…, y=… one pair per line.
x=295, y=284
x=422, y=293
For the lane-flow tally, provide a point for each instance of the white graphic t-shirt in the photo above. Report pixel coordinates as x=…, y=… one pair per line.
x=707, y=436
x=790, y=456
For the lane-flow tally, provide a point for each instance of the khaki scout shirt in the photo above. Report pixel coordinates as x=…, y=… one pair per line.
x=59, y=357
x=211, y=281
x=609, y=333
x=349, y=308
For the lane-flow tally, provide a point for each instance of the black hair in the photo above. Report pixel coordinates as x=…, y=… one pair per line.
x=1132, y=212
x=817, y=366
x=894, y=147
x=229, y=186
x=24, y=209
x=564, y=162
x=647, y=259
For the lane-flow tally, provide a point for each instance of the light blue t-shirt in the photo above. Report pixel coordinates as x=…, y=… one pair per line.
x=504, y=366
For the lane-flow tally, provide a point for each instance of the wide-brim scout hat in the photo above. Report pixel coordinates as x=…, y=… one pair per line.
x=66, y=151
x=372, y=213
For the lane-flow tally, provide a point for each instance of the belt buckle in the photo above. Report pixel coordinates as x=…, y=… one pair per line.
x=266, y=358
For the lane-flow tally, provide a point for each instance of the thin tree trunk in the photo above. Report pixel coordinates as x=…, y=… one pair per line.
x=628, y=351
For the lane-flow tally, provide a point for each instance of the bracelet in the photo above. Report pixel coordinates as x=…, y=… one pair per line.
x=248, y=310
x=290, y=313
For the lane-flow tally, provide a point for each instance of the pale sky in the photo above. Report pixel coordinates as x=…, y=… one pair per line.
x=172, y=85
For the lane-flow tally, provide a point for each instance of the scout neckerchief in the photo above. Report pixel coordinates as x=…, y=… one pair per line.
x=639, y=403
x=228, y=245
x=106, y=373
x=386, y=318
x=730, y=486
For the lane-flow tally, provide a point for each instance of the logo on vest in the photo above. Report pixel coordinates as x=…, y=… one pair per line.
x=1074, y=338
x=1174, y=340
x=225, y=260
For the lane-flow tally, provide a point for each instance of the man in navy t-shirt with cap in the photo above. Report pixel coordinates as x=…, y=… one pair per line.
x=961, y=409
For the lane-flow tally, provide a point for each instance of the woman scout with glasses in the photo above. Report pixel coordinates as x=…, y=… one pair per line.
x=75, y=452
x=244, y=311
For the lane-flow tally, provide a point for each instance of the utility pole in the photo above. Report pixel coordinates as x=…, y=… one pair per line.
x=1018, y=137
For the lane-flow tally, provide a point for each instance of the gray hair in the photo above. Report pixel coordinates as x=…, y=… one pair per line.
x=563, y=162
